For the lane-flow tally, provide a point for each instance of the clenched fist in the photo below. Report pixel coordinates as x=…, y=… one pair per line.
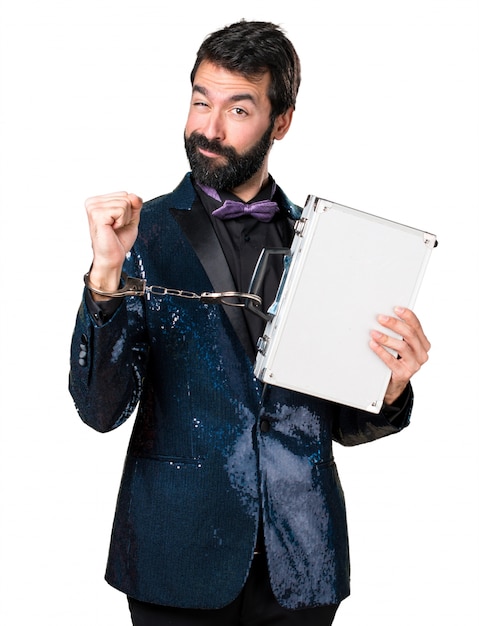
x=113, y=219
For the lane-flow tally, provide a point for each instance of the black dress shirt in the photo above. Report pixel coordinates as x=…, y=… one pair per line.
x=242, y=239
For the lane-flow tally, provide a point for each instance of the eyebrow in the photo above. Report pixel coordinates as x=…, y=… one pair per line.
x=234, y=98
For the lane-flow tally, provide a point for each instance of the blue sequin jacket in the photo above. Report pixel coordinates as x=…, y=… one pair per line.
x=211, y=449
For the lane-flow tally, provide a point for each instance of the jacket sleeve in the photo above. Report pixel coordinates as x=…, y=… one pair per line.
x=107, y=364
x=352, y=427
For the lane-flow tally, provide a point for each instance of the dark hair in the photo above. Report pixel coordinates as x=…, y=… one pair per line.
x=251, y=49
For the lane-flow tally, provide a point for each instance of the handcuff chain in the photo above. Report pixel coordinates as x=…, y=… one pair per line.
x=157, y=290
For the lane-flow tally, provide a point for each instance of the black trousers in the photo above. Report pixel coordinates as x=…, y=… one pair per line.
x=255, y=606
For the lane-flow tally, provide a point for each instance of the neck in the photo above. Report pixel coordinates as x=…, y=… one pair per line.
x=253, y=186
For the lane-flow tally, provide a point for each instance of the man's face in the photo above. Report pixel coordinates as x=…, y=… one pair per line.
x=228, y=131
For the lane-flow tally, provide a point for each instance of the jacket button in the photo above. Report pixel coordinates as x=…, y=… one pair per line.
x=264, y=426
x=83, y=352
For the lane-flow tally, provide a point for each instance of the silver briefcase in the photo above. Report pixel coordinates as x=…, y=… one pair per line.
x=343, y=269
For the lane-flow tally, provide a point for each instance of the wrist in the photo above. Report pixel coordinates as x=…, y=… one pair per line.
x=108, y=281
x=393, y=393
x=128, y=286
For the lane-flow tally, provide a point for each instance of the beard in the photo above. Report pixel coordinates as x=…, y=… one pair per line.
x=238, y=167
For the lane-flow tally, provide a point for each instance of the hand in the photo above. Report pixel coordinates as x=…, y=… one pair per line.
x=113, y=219
x=412, y=349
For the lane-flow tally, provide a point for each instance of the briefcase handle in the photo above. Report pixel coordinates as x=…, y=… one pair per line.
x=258, y=278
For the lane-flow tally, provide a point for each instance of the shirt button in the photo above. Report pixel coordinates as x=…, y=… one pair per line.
x=264, y=426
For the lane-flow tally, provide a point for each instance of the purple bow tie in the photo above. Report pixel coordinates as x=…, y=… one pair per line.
x=263, y=210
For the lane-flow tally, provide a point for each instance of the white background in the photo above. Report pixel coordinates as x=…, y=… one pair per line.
x=94, y=97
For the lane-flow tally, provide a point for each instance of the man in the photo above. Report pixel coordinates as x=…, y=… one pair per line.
x=230, y=509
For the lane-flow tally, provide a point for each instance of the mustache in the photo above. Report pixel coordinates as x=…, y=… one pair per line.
x=198, y=140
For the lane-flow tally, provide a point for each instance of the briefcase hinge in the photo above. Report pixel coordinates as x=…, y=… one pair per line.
x=299, y=226
x=262, y=344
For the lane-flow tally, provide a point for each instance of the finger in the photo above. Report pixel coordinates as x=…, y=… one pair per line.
x=395, y=344
x=115, y=213
x=401, y=369
x=136, y=201
x=136, y=204
x=408, y=327
x=110, y=198
x=107, y=196
x=410, y=348
x=412, y=322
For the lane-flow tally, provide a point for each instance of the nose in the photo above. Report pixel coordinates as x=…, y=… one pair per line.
x=213, y=126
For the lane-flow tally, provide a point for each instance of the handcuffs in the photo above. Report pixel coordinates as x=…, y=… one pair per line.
x=131, y=286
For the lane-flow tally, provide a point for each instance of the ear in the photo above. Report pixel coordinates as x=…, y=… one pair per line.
x=282, y=124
